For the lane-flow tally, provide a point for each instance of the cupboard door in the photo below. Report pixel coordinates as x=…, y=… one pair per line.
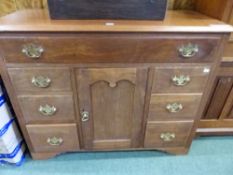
x=111, y=102
x=219, y=98
x=227, y=112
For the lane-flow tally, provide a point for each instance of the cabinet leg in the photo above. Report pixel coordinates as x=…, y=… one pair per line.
x=43, y=156
x=177, y=151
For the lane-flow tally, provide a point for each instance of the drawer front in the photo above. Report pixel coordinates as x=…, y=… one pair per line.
x=109, y=48
x=53, y=138
x=47, y=108
x=173, y=107
x=40, y=79
x=167, y=134
x=228, y=50
x=180, y=79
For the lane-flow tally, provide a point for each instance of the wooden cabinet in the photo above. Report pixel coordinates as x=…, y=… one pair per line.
x=222, y=10
x=220, y=95
x=217, y=117
x=91, y=86
x=111, y=104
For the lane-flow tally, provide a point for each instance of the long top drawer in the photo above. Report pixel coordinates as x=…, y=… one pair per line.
x=109, y=48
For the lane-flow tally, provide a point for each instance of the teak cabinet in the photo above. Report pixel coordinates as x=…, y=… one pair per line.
x=217, y=119
x=91, y=86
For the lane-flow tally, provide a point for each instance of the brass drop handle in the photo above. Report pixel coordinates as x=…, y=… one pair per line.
x=41, y=81
x=167, y=136
x=181, y=80
x=55, y=141
x=47, y=110
x=85, y=116
x=189, y=50
x=174, y=107
x=32, y=50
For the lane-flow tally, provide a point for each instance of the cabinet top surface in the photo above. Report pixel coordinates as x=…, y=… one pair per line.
x=175, y=21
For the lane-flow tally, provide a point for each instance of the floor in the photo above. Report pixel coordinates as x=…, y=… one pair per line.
x=208, y=156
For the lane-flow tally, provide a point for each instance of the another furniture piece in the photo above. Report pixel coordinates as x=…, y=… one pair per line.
x=7, y=6
x=218, y=118
x=111, y=9
x=109, y=85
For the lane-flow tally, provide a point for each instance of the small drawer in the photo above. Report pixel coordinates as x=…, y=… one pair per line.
x=228, y=54
x=167, y=134
x=180, y=79
x=173, y=107
x=36, y=79
x=53, y=138
x=47, y=108
x=111, y=48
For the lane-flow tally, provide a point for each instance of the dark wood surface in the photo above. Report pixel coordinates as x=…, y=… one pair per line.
x=222, y=10
x=155, y=129
x=196, y=73
x=63, y=102
x=40, y=133
x=220, y=95
x=108, y=48
x=217, y=119
x=158, y=111
x=215, y=8
x=114, y=98
x=111, y=9
x=175, y=21
x=22, y=79
x=110, y=75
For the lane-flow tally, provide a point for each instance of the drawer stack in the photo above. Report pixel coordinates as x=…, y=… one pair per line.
x=176, y=95
x=98, y=86
x=46, y=99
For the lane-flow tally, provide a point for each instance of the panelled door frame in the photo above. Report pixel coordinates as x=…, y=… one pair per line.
x=86, y=78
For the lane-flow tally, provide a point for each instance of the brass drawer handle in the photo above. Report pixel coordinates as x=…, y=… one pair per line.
x=167, y=137
x=41, y=81
x=32, y=50
x=47, y=110
x=174, y=107
x=55, y=141
x=85, y=116
x=181, y=80
x=189, y=50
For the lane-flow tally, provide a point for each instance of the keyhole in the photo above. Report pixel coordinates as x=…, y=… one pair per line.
x=112, y=84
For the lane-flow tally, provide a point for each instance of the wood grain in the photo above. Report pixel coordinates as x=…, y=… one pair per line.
x=219, y=112
x=111, y=72
x=219, y=98
x=227, y=112
x=175, y=21
x=114, y=97
x=215, y=8
x=159, y=102
x=22, y=79
x=108, y=48
x=155, y=129
x=40, y=133
x=63, y=103
x=163, y=78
